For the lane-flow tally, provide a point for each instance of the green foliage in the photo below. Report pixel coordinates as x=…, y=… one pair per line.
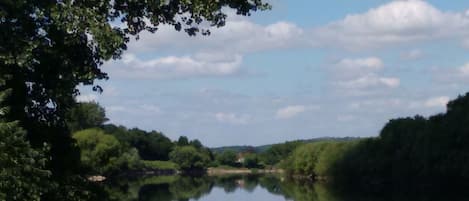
x=190, y=158
x=411, y=150
x=227, y=157
x=48, y=48
x=86, y=115
x=279, y=152
x=182, y=141
x=160, y=165
x=103, y=154
x=150, y=145
x=408, y=151
x=318, y=159
x=251, y=160
x=22, y=173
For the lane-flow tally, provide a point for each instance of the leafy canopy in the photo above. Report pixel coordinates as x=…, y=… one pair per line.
x=49, y=47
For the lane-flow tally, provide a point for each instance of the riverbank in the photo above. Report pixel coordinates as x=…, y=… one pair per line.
x=213, y=171
x=224, y=171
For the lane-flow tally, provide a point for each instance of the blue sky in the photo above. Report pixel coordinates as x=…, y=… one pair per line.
x=305, y=69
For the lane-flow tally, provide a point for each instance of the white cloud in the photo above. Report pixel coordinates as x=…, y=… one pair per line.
x=293, y=110
x=412, y=54
x=86, y=98
x=175, y=67
x=396, y=22
x=368, y=81
x=437, y=101
x=232, y=118
x=432, y=102
x=370, y=63
x=239, y=35
x=360, y=76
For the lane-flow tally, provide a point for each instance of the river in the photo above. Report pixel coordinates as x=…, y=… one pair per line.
x=250, y=188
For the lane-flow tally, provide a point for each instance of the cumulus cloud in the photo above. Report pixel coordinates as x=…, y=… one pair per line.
x=232, y=118
x=239, y=35
x=175, y=67
x=437, y=101
x=432, y=102
x=370, y=80
x=293, y=110
x=370, y=63
x=360, y=76
x=396, y=22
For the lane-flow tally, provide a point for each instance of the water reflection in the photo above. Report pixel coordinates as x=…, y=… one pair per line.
x=248, y=187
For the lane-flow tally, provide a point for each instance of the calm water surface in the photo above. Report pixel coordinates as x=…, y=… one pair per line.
x=249, y=188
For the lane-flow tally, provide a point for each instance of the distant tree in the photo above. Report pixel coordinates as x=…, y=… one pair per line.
x=196, y=143
x=251, y=160
x=48, y=48
x=227, y=157
x=150, y=145
x=86, y=115
x=279, y=152
x=103, y=154
x=189, y=158
x=182, y=141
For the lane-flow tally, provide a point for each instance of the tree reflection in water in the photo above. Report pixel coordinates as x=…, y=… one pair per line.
x=182, y=188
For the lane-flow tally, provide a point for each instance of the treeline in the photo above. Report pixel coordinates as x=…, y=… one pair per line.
x=412, y=150
x=108, y=149
x=269, y=156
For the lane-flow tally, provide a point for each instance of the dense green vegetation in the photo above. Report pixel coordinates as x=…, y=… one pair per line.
x=190, y=158
x=150, y=145
x=49, y=48
x=227, y=158
x=103, y=154
x=266, y=155
x=19, y=160
x=109, y=149
x=408, y=151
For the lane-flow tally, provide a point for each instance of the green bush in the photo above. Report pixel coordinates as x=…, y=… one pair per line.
x=190, y=158
x=103, y=154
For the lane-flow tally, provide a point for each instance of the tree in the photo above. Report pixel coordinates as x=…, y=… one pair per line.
x=48, y=48
x=86, y=115
x=278, y=152
x=251, y=161
x=150, y=145
x=189, y=158
x=103, y=154
x=227, y=157
x=22, y=172
x=196, y=143
x=182, y=141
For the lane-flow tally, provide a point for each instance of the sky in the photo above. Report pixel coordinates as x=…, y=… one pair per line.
x=304, y=69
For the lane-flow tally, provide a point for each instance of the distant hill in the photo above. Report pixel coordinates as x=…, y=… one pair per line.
x=262, y=148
